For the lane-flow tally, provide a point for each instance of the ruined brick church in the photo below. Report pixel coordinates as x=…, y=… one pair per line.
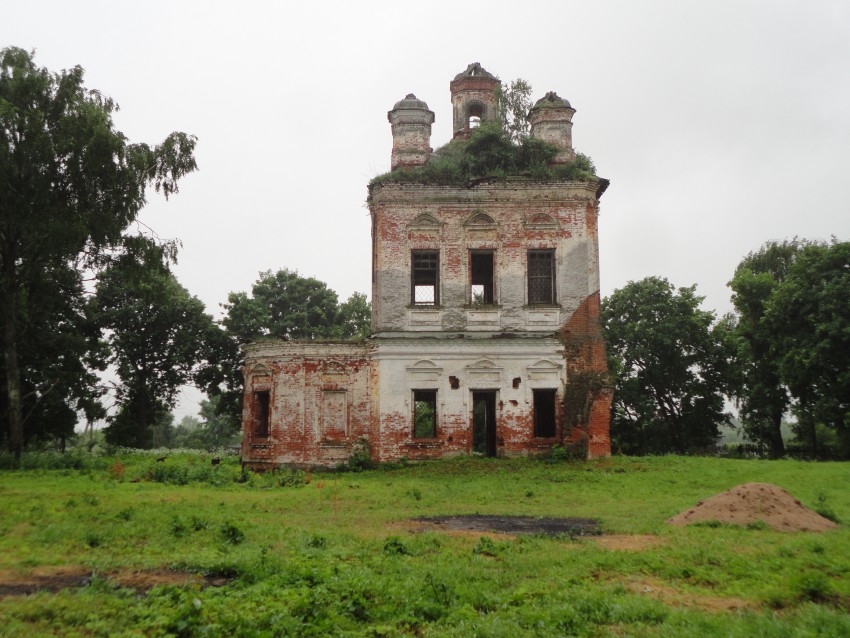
x=485, y=306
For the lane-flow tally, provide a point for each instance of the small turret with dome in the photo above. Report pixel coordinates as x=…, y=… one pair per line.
x=551, y=120
x=411, y=122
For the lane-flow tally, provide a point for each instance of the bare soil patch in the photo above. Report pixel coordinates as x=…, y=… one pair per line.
x=669, y=595
x=54, y=579
x=629, y=542
x=145, y=580
x=416, y=526
x=512, y=525
x=753, y=502
x=49, y=579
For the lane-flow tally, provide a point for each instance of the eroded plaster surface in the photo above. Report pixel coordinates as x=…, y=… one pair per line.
x=485, y=307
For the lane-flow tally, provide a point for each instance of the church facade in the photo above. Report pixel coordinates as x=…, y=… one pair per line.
x=485, y=307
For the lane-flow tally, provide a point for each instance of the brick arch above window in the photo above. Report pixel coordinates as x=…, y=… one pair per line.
x=425, y=221
x=480, y=221
x=424, y=370
x=541, y=221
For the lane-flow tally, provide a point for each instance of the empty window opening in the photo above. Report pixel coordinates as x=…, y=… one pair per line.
x=476, y=114
x=541, y=276
x=424, y=414
x=425, y=268
x=544, y=413
x=481, y=277
x=261, y=412
x=484, y=423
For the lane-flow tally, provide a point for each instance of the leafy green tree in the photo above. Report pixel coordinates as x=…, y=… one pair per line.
x=217, y=427
x=809, y=318
x=213, y=429
x=763, y=396
x=513, y=101
x=670, y=366
x=157, y=334
x=162, y=431
x=57, y=378
x=283, y=305
x=354, y=318
x=70, y=184
x=186, y=433
x=286, y=305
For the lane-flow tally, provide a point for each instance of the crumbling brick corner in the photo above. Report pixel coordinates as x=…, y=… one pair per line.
x=589, y=394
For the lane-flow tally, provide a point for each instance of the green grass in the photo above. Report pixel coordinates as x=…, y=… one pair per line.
x=332, y=554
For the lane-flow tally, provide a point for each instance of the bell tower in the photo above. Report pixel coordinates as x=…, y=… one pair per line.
x=473, y=99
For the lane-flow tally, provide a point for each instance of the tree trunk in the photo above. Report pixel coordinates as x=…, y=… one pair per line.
x=9, y=303
x=809, y=427
x=776, y=444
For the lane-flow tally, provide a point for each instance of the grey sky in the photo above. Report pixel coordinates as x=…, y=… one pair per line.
x=721, y=125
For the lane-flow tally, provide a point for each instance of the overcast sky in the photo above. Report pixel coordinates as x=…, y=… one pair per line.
x=720, y=124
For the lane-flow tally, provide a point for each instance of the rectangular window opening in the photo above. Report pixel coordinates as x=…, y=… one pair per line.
x=544, y=413
x=424, y=414
x=262, y=409
x=481, y=267
x=541, y=276
x=425, y=268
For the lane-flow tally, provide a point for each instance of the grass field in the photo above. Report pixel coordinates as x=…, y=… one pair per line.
x=184, y=548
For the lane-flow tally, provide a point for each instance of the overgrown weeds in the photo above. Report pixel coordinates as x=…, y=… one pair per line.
x=339, y=556
x=490, y=153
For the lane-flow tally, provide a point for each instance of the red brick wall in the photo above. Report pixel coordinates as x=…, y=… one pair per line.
x=585, y=357
x=297, y=376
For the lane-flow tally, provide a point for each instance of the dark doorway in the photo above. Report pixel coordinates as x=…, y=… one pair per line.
x=544, y=413
x=484, y=422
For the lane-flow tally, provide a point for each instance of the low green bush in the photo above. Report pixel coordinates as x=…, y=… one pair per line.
x=73, y=459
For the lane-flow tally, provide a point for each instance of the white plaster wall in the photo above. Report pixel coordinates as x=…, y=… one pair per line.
x=512, y=205
x=409, y=364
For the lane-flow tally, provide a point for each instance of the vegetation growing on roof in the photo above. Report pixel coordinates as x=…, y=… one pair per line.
x=490, y=153
x=513, y=102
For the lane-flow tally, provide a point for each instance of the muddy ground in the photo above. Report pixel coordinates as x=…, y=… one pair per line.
x=513, y=525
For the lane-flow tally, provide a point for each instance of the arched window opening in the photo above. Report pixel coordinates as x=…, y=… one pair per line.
x=476, y=115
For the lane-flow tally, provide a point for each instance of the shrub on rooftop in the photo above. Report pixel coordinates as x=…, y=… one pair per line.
x=489, y=152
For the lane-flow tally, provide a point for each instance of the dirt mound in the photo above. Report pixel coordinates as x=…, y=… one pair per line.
x=752, y=502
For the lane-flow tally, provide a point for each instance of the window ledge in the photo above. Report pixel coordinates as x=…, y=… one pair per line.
x=333, y=444
x=424, y=444
x=260, y=446
x=424, y=317
x=543, y=315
